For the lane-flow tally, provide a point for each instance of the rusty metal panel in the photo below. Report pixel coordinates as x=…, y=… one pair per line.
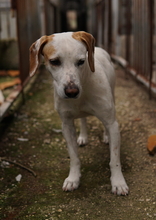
x=29, y=30
x=104, y=24
x=124, y=26
x=100, y=23
x=50, y=17
x=142, y=25
x=136, y=24
x=142, y=33
x=151, y=41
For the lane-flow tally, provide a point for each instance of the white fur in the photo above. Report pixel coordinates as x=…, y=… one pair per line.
x=96, y=97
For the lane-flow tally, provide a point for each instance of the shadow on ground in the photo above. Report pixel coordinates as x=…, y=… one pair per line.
x=30, y=140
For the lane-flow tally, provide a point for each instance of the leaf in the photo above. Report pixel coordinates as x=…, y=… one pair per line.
x=9, y=73
x=10, y=83
x=151, y=145
x=13, y=72
x=137, y=119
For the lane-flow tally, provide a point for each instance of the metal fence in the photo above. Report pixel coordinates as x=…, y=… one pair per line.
x=126, y=29
x=7, y=21
x=29, y=30
x=33, y=19
x=52, y=17
x=104, y=24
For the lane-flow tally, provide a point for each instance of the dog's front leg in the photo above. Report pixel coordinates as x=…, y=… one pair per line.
x=118, y=182
x=69, y=132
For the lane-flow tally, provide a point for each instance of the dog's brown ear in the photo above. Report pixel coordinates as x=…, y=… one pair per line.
x=35, y=51
x=89, y=41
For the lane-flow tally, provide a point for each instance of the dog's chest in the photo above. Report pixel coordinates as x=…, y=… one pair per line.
x=75, y=108
x=84, y=110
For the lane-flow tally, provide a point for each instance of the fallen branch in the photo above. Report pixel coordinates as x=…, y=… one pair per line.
x=18, y=164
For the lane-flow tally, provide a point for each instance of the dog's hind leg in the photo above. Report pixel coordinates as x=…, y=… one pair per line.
x=105, y=137
x=83, y=137
x=73, y=179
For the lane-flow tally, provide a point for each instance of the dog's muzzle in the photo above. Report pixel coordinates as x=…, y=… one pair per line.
x=71, y=90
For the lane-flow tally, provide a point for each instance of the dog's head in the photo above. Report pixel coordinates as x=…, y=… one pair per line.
x=67, y=56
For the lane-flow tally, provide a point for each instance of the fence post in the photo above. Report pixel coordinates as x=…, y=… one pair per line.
x=151, y=18
x=128, y=30
x=110, y=26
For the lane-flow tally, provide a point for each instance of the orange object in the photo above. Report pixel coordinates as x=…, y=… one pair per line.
x=13, y=72
x=3, y=73
x=11, y=83
x=137, y=119
x=151, y=145
x=9, y=72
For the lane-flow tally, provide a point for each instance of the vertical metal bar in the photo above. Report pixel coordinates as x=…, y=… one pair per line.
x=8, y=22
x=146, y=30
x=138, y=36
x=0, y=25
x=136, y=33
x=20, y=18
x=110, y=26
x=50, y=15
x=46, y=15
x=96, y=22
x=104, y=24
x=135, y=48
x=102, y=17
x=28, y=26
x=96, y=26
x=134, y=28
x=151, y=17
x=128, y=31
x=143, y=40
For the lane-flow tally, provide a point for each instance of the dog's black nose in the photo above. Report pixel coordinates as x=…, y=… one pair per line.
x=71, y=90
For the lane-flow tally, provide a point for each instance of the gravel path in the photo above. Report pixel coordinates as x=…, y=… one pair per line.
x=31, y=140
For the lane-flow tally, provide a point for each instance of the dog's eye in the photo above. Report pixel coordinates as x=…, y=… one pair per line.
x=80, y=62
x=55, y=62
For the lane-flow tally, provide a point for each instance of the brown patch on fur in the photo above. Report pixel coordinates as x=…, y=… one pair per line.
x=48, y=50
x=35, y=50
x=89, y=41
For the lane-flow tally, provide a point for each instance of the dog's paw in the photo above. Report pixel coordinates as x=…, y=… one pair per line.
x=119, y=187
x=105, y=138
x=70, y=185
x=82, y=140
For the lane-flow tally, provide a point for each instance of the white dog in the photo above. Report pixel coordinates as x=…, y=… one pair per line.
x=83, y=85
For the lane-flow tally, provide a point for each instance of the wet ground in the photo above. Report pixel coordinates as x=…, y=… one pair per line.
x=31, y=140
